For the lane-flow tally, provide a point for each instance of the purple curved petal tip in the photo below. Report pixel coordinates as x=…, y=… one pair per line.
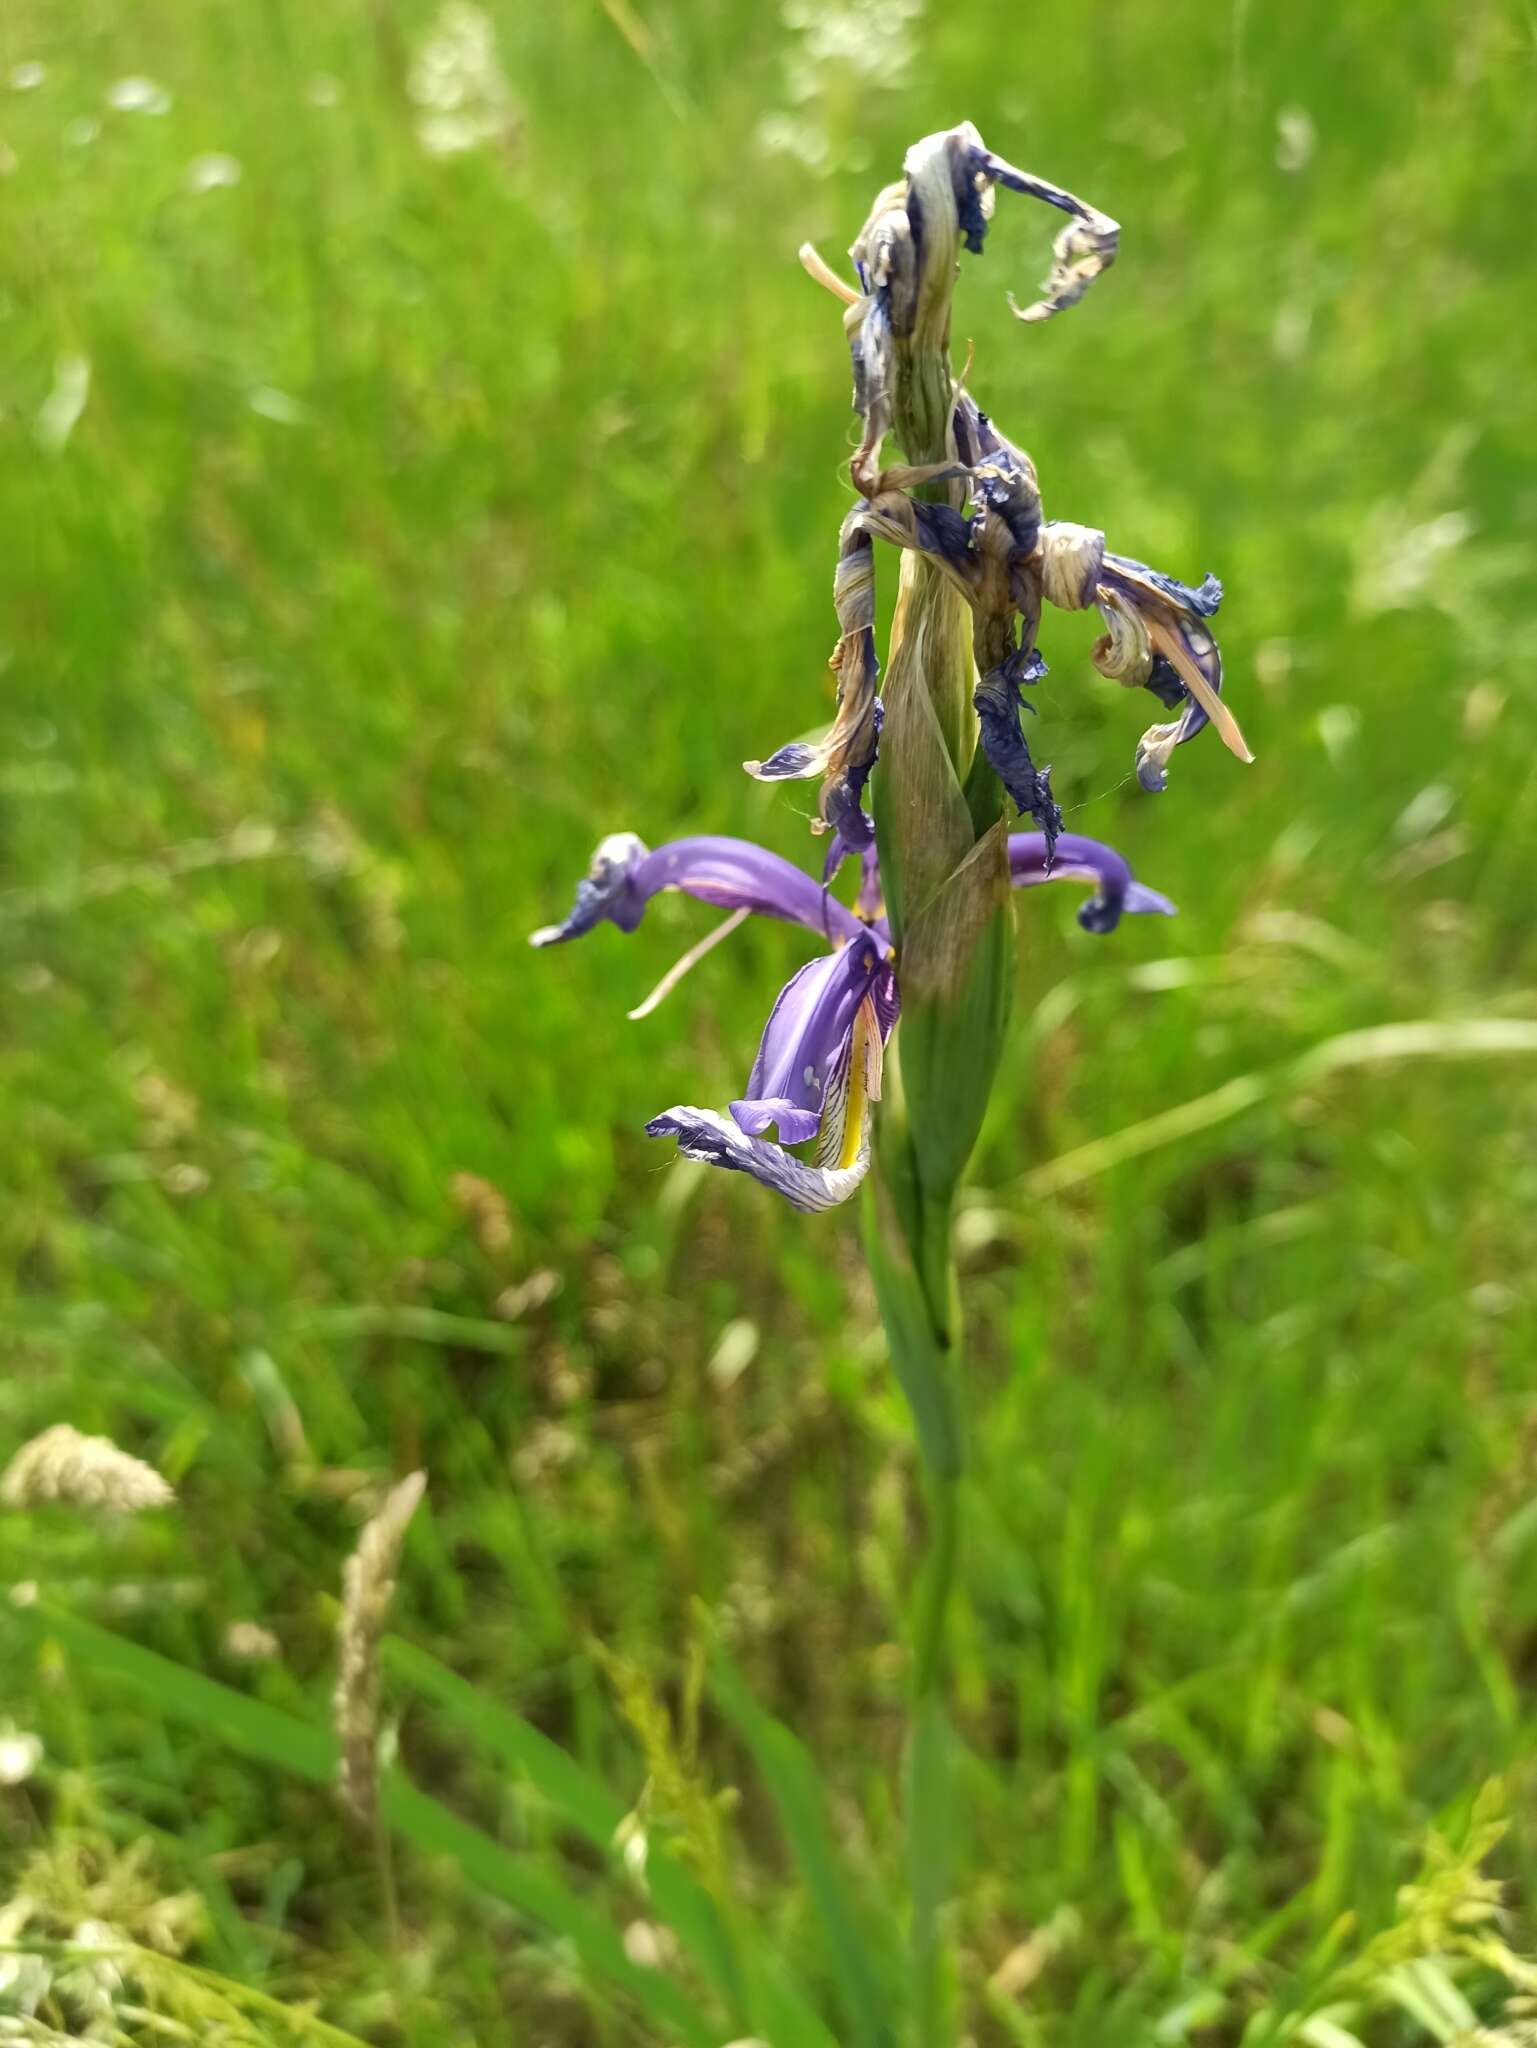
x=732, y=874
x=1117, y=892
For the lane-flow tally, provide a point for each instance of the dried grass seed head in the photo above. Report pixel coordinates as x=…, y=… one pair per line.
x=86, y=1471
x=368, y=1587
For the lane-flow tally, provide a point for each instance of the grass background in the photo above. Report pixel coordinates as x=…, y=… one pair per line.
x=428, y=516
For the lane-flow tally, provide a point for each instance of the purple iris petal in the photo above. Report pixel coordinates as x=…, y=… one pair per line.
x=869, y=885
x=714, y=1140
x=807, y=1030
x=730, y=873
x=1117, y=892
x=736, y=875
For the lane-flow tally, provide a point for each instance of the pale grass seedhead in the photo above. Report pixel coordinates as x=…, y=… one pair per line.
x=649, y=1946
x=457, y=84
x=484, y=1207
x=368, y=1586
x=250, y=1643
x=94, y=1949
x=86, y=1471
x=20, y=1754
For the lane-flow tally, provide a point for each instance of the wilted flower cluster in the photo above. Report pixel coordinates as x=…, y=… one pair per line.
x=964, y=514
x=1002, y=555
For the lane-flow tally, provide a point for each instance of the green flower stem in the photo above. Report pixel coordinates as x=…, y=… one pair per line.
x=936, y=1585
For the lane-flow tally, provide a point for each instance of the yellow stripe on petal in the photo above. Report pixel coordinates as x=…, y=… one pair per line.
x=864, y=1085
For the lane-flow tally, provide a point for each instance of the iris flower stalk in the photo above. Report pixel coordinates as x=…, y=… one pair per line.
x=940, y=750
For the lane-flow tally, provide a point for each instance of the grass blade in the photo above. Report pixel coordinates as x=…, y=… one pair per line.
x=279, y=1739
x=583, y=1801
x=1424, y=1038
x=769, y=2002
x=791, y=1777
x=549, y=1901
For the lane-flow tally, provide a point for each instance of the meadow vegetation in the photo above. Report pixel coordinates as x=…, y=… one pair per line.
x=417, y=459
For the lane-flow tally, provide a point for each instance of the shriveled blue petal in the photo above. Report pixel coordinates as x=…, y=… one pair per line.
x=1007, y=493
x=998, y=704
x=870, y=345
x=706, y=1135
x=1084, y=248
x=938, y=532
x=731, y=873
x=1203, y=598
x=1075, y=859
x=846, y=756
x=804, y=1041
x=793, y=762
x=1004, y=483
x=843, y=802
x=1181, y=663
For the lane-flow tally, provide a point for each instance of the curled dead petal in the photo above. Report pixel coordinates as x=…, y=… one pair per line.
x=1083, y=251
x=846, y=754
x=907, y=476
x=816, y=266
x=937, y=532
x=1157, y=637
x=1123, y=652
x=1174, y=645
x=1072, y=558
x=1154, y=751
x=1080, y=253
x=998, y=704
x=905, y=260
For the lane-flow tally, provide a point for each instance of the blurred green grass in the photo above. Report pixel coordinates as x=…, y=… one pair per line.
x=429, y=516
